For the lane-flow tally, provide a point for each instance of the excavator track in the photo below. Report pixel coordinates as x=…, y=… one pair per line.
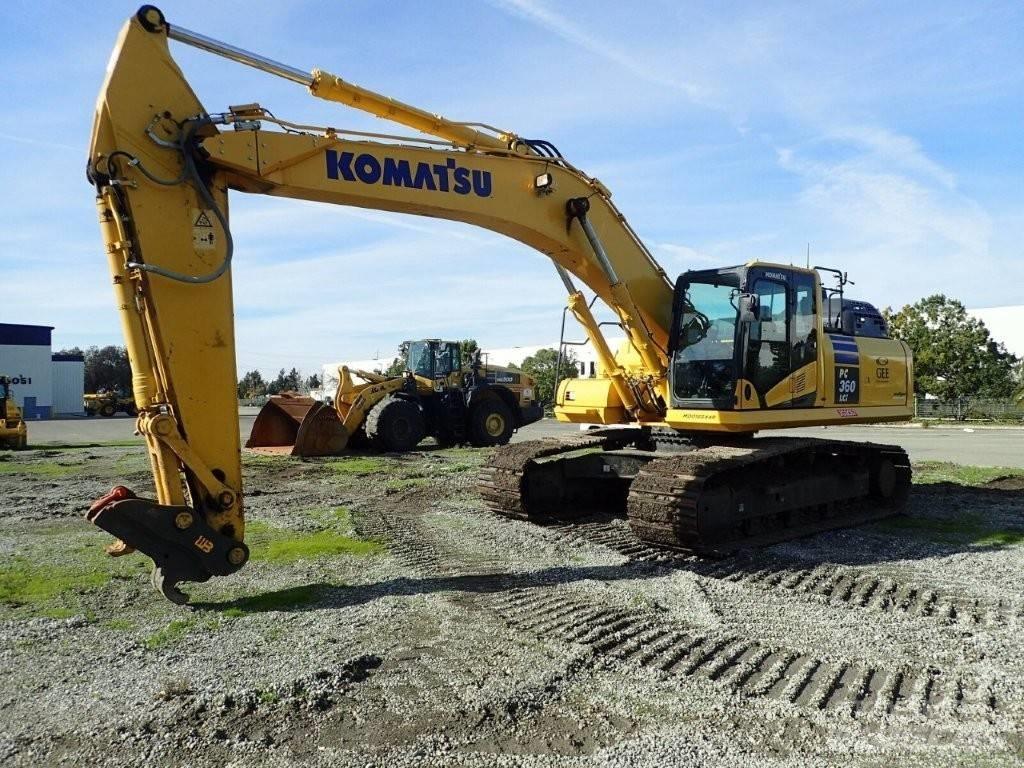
x=503, y=482
x=720, y=499
x=716, y=499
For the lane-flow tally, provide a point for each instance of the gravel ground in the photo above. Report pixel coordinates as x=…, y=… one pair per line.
x=424, y=631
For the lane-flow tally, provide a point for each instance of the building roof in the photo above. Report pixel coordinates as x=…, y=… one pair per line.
x=25, y=335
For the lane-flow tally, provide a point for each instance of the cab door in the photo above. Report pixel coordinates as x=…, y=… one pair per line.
x=767, y=362
x=803, y=346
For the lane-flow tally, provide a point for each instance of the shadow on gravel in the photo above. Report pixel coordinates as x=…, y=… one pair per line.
x=327, y=595
x=945, y=519
x=942, y=519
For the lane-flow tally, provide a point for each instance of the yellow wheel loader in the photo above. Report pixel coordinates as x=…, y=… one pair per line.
x=107, y=404
x=13, y=430
x=440, y=395
x=714, y=356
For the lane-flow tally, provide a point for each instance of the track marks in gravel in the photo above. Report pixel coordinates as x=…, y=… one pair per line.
x=742, y=665
x=839, y=585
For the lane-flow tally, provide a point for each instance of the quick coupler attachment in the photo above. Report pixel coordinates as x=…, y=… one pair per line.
x=183, y=547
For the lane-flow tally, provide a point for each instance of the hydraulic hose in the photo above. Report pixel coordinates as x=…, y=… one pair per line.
x=190, y=173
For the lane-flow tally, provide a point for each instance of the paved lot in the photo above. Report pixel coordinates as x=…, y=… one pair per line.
x=989, y=447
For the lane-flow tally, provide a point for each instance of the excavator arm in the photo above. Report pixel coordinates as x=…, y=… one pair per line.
x=162, y=166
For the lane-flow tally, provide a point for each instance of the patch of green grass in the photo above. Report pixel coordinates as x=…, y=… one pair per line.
x=170, y=634
x=928, y=472
x=98, y=444
x=132, y=459
x=281, y=546
x=402, y=484
x=58, y=613
x=357, y=465
x=121, y=625
x=39, y=468
x=343, y=516
x=1005, y=538
x=30, y=582
x=278, y=600
x=269, y=697
x=52, y=573
x=968, y=529
x=251, y=458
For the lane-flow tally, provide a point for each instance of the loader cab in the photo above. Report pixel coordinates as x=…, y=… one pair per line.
x=434, y=359
x=741, y=336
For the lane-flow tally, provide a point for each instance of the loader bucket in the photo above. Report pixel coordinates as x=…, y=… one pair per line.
x=297, y=425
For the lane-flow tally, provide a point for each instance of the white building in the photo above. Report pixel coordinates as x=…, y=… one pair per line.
x=1006, y=324
x=44, y=384
x=68, y=384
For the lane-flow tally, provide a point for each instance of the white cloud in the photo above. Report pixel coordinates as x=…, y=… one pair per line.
x=895, y=149
x=541, y=15
x=890, y=190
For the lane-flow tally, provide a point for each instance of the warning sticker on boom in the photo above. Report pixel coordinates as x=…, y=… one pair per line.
x=847, y=384
x=203, y=237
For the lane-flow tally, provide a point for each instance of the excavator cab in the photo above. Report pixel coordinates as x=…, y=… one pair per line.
x=741, y=334
x=764, y=336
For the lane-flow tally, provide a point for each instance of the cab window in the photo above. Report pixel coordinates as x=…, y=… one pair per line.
x=703, y=361
x=768, y=350
x=805, y=321
x=443, y=360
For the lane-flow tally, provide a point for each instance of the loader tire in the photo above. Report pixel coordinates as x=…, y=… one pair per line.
x=107, y=410
x=490, y=423
x=395, y=425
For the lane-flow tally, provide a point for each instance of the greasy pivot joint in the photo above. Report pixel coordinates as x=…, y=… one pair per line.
x=577, y=207
x=182, y=545
x=151, y=18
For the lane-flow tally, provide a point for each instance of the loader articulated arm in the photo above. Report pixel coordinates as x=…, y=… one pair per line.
x=162, y=166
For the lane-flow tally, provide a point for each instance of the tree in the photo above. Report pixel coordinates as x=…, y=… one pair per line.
x=542, y=367
x=252, y=385
x=469, y=349
x=285, y=382
x=398, y=365
x=107, y=368
x=954, y=355
x=313, y=382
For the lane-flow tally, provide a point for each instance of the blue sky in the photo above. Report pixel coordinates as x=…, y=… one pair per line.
x=887, y=135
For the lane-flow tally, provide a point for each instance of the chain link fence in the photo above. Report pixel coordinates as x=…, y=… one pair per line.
x=970, y=409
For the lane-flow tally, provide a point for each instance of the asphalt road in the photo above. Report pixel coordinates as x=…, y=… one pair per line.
x=981, y=446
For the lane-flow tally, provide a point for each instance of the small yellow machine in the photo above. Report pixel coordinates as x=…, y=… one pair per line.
x=715, y=356
x=441, y=395
x=13, y=431
x=107, y=404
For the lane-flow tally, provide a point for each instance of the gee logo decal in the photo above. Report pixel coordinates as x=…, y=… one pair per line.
x=436, y=177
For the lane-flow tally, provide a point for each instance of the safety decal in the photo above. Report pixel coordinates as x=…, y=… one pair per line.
x=203, y=236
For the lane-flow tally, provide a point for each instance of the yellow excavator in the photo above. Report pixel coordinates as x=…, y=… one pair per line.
x=440, y=396
x=13, y=431
x=710, y=358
